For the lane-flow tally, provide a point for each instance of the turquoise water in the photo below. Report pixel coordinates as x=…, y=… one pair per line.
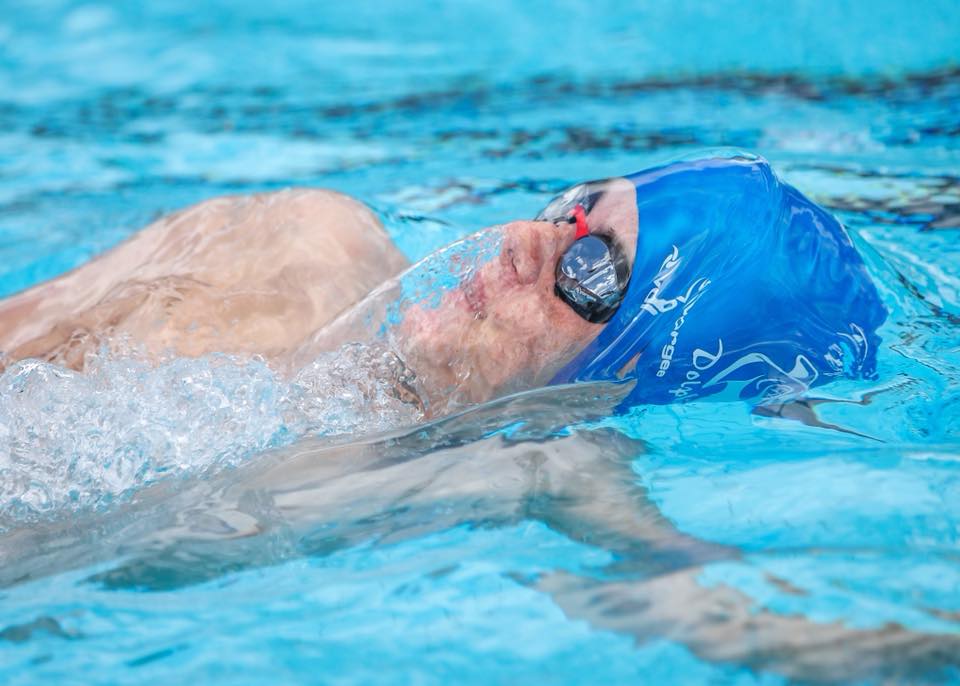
x=454, y=556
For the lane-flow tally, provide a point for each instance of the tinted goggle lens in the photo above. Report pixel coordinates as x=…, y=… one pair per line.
x=592, y=278
x=593, y=274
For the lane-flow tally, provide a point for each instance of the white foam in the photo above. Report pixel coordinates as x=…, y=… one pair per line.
x=72, y=441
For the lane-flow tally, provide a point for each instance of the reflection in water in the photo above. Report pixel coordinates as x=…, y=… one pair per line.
x=322, y=488
x=318, y=496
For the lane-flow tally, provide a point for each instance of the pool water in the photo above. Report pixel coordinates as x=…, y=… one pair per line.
x=192, y=522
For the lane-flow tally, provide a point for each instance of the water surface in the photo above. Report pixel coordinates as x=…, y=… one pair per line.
x=170, y=525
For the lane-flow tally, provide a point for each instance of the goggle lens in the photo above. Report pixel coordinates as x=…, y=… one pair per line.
x=588, y=279
x=592, y=274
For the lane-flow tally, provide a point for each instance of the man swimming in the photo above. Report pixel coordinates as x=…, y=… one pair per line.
x=696, y=279
x=703, y=277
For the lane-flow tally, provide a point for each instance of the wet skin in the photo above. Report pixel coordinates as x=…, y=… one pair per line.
x=259, y=274
x=236, y=274
x=504, y=329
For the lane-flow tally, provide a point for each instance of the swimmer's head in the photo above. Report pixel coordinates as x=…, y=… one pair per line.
x=740, y=287
x=696, y=278
x=512, y=322
x=482, y=317
x=705, y=277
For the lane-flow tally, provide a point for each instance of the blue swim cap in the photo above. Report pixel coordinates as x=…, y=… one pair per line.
x=741, y=288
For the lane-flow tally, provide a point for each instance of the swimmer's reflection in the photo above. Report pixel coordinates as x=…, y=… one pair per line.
x=316, y=498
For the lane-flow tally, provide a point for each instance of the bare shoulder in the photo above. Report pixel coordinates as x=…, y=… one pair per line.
x=274, y=211
x=305, y=204
x=318, y=212
x=257, y=261
x=314, y=200
x=211, y=239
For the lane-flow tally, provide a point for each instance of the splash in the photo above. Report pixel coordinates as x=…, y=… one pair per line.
x=72, y=441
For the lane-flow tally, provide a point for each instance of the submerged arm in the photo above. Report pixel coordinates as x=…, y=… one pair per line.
x=721, y=624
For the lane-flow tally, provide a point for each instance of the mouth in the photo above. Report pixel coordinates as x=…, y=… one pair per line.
x=475, y=296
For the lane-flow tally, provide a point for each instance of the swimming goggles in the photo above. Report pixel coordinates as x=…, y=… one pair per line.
x=592, y=275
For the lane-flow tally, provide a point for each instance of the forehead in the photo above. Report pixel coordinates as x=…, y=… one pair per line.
x=615, y=209
x=611, y=208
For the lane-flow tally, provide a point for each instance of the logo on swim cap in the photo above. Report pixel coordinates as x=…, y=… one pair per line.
x=653, y=304
x=666, y=353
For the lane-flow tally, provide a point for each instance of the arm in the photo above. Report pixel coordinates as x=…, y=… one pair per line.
x=245, y=274
x=720, y=624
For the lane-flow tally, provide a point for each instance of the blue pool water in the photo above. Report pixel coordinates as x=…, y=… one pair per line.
x=151, y=532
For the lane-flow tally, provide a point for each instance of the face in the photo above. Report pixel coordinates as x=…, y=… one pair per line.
x=505, y=328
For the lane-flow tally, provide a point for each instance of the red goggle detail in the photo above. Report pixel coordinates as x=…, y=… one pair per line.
x=580, y=217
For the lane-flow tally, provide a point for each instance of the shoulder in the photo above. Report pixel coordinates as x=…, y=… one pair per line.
x=311, y=202
x=317, y=218
x=288, y=224
x=301, y=204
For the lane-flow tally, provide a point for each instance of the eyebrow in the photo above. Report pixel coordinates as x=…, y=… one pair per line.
x=611, y=235
x=606, y=230
x=591, y=200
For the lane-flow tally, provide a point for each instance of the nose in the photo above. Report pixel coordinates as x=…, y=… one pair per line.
x=526, y=248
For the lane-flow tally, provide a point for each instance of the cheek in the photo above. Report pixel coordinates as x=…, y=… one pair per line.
x=541, y=327
x=524, y=312
x=433, y=331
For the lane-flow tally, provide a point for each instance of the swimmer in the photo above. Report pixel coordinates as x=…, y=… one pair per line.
x=705, y=277
x=702, y=278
